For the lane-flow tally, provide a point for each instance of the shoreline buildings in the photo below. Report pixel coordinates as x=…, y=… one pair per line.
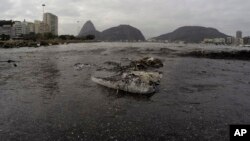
x=238, y=40
x=40, y=27
x=7, y=28
x=48, y=25
x=51, y=21
x=238, y=34
x=17, y=29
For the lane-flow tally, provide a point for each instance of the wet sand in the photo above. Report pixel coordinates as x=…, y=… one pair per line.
x=44, y=97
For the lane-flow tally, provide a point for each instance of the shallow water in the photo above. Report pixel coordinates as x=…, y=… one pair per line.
x=46, y=98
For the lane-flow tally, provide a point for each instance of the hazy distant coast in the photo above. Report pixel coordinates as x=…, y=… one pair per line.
x=127, y=33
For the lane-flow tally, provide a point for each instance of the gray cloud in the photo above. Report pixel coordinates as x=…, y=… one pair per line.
x=153, y=17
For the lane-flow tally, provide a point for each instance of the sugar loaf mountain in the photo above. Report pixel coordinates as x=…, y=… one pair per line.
x=192, y=34
x=119, y=33
x=89, y=29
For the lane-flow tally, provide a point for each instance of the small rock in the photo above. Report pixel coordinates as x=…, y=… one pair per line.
x=80, y=66
x=203, y=71
x=11, y=61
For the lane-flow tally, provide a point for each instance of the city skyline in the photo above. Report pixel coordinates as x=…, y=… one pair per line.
x=153, y=18
x=15, y=29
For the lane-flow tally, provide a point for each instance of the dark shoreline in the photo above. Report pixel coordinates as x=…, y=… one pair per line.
x=228, y=55
x=30, y=43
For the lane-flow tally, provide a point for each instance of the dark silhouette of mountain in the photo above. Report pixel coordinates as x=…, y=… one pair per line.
x=89, y=29
x=192, y=34
x=122, y=33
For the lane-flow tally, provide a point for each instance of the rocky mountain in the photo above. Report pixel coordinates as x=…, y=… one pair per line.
x=89, y=29
x=122, y=33
x=192, y=34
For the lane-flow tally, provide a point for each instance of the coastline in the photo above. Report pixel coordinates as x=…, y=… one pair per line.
x=38, y=43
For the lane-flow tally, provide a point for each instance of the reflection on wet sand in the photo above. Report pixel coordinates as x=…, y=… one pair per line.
x=48, y=79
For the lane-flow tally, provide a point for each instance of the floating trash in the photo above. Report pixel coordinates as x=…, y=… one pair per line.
x=133, y=78
x=133, y=82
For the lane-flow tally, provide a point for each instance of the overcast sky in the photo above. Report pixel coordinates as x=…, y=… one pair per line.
x=152, y=17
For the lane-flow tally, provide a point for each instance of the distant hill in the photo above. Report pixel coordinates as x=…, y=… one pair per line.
x=89, y=29
x=192, y=34
x=122, y=33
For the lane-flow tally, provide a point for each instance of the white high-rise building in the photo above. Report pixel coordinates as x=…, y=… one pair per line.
x=31, y=27
x=37, y=25
x=40, y=27
x=18, y=28
x=52, y=21
x=25, y=28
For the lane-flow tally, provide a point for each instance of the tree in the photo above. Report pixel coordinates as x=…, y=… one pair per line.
x=63, y=37
x=67, y=37
x=49, y=35
x=90, y=37
x=4, y=37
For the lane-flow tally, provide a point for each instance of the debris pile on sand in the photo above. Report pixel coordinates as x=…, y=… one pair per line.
x=81, y=66
x=137, y=77
x=144, y=64
x=147, y=62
